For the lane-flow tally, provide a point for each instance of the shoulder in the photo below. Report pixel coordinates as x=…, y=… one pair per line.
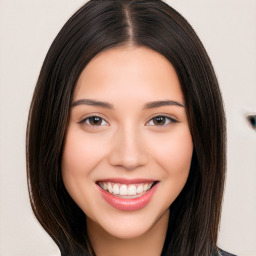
x=223, y=253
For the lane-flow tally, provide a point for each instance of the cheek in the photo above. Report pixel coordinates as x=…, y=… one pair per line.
x=174, y=155
x=80, y=157
x=81, y=153
x=173, y=152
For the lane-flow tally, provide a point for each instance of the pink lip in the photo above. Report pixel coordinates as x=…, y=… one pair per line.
x=125, y=204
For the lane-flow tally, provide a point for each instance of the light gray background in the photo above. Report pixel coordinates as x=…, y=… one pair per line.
x=27, y=28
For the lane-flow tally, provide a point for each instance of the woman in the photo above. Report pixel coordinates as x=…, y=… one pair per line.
x=126, y=135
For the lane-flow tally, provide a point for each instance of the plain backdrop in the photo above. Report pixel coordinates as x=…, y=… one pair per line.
x=228, y=30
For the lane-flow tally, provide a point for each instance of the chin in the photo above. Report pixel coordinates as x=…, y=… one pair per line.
x=130, y=225
x=128, y=231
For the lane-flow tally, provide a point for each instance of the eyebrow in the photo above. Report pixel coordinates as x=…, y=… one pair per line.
x=161, y=103
x=93, y=103
x=149, y=105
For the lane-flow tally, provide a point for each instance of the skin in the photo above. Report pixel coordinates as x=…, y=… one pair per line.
x=127, y=143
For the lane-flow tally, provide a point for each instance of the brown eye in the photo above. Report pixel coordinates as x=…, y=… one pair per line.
x=161, y=121
x=94, y=121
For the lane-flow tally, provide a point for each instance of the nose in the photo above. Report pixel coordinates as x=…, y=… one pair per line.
x=128, y=150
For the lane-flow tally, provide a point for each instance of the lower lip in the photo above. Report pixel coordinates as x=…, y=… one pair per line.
x=125, y=204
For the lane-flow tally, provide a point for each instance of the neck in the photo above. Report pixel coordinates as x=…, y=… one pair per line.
x=148, y=244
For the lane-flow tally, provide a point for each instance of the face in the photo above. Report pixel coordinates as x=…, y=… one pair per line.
x=128, y=146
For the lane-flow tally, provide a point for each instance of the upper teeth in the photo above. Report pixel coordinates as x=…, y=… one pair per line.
x=125, y=190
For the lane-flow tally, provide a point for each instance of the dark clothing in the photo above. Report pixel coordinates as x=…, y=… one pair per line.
x=223, y=253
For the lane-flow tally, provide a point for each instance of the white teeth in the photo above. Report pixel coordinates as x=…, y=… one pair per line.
x=109, y=187
x=132, y=190
x=116, y=189
x=145, y=187
x=105, y=186
x=126, y=190
x=123, y=190
x=139, y=189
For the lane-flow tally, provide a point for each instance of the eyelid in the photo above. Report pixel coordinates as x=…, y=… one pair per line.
x=83, y=120
x=170, y=118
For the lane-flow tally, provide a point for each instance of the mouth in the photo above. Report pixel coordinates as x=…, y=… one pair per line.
x=126, y=190
x=127, y=195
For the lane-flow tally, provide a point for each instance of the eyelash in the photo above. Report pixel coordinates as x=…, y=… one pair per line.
x=166, y=119
x=87, y=120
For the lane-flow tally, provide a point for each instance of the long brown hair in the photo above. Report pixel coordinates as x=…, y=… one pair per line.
x=97, y=26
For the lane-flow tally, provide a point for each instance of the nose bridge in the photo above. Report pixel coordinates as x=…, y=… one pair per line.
x=128, y=148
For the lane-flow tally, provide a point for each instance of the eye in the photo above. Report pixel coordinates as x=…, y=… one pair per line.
x=161, y=121
x=94, y=121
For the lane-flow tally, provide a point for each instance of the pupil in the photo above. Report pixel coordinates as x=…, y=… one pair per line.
x=95, y=120
x=160, y=120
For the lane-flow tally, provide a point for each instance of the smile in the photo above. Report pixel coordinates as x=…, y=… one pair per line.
x=127, y=195
x=124, y=190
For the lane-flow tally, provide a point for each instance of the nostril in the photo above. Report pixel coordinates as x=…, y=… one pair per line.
x=252, y=121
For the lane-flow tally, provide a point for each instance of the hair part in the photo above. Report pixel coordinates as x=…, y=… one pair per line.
x=95, y=27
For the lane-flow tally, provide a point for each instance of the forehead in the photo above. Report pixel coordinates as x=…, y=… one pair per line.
x=131, y=71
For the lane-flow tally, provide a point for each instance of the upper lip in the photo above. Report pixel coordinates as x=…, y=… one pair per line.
x=126, y=181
